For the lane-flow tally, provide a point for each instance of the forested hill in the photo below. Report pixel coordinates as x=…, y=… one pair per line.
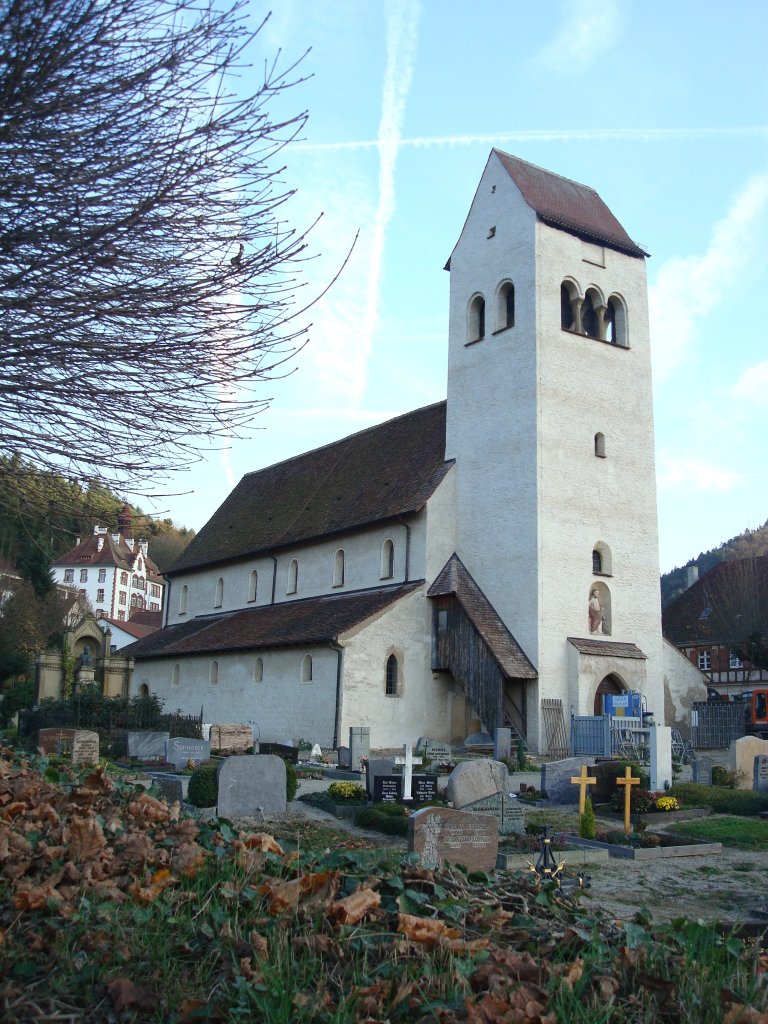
x=42, y=515
x=748, y=544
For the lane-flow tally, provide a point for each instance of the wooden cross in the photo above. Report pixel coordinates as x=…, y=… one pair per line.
x=627, y=782
x=583, y=780
x=407, y=761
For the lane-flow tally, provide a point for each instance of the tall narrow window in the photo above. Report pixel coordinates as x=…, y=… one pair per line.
x=306, y=668
x=589, y=318
x=476, y=319
x=219, y=592
x=597, y=562
x=253, y=584
x=175, y=675
x=391, y=683
x=600, y=445
x=338, y=568
x=616, y=322
x=258, y=670
x=183, y=600
x=505, y=306
x=293, y=577
x=214, y=674
x=387, y=570
x=567, y=319
x=705, y=661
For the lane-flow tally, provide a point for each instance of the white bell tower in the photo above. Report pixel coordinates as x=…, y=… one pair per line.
x=550, y=422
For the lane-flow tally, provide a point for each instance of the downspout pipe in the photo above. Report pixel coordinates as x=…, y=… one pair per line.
x=274, y=577
x=337, y=715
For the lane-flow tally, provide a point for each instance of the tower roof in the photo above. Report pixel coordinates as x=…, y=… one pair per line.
x=567, y=205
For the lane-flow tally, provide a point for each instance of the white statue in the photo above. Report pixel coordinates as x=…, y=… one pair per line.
x=596, y=617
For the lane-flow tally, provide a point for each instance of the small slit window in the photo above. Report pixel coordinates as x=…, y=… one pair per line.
x=293, y=577
x=505, y=306
x=590, y=320
x=600, y=445
x=597, y=562
x=567, y=316
x=338, y=568
x=392, y=680
x=175, y=675
x=616, y=322
x=253, y=585
x=213, y=677
x=387, y=570
x=258, y=670
x=306, y=668
x=219, y=599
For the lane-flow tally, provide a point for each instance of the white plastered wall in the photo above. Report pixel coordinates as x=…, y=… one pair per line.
x=683, y=684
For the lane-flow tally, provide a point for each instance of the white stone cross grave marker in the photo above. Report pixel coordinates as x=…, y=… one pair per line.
x=407, y=761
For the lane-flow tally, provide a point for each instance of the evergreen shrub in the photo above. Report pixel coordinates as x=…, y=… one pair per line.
x=203, y=788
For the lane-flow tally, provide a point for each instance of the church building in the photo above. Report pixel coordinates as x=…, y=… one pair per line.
x=491, y=560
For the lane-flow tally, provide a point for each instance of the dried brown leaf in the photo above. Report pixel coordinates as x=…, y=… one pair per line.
x=125, y=995
x=259, y=944
x=739, y=1014
x=86, y=839
x=428, y=930
x=353, y=908
x=187, y=860
x=262, y=841
x=34, y=897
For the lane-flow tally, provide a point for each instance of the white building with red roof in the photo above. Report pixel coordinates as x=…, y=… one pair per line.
x=113, y=571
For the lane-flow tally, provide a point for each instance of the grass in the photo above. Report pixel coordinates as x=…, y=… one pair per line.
x=730, y=830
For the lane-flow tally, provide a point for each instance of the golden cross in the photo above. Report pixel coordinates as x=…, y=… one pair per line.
x=583, y=780
x=627, y=782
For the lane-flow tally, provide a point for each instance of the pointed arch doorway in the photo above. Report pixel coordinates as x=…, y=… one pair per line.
x=611, y=684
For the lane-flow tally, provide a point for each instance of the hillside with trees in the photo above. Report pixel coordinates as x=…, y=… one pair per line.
x=748, y=544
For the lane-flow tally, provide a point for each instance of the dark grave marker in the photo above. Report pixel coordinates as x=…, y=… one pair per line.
x=424, y=788
x=387, y=789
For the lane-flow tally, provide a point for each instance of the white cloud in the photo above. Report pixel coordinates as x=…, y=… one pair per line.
x=588, y=28
x=695, y=475
x=752, y=385
x=686, y=289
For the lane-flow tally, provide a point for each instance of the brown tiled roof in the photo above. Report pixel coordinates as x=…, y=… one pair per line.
x=454, y=578
x=113, y=552
x=135, y=629
x=385, y=471
x=312, y=621
x=705, y=613
x=606, y=648
x=568, y=205
x=146, y=617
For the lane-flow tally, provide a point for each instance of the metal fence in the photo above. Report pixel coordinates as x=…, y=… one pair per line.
x=716, y=724
x=609, y=736
x=108, y=720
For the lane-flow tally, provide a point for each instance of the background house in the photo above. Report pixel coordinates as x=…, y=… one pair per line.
x=113, y=572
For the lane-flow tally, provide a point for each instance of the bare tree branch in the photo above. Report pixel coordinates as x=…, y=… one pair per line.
x=148, y=275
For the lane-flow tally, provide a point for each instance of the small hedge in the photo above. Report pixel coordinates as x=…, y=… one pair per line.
x=204, y=784
x=723, y=801
x=382, y=818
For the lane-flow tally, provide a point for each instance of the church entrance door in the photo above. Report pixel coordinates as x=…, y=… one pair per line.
x=611, y=684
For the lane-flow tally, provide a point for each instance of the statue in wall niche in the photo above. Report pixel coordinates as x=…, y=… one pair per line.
x=85, y=658
x=596, y=616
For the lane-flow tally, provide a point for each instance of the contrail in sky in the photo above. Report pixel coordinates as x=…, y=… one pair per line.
x=536, y=135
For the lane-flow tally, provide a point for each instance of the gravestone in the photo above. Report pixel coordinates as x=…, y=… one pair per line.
x=409, y=762
x=502, y=744
x=387, y=789
x=344, y=761
x=378, y=766
x=173, y=787
x=316, y=753
x=742, y=754
x=479, y=739
x=661, y=757
x=424, y=788
x=251, y=785
x=556, y=778
x=507, y=810
x=437, y=753
x=147, y=746
x=359, y=746
x=180, y=750
x=441, y=836
x=231, y=737
x=606, y=773
x=55, y=741
x=473, y=780
x=85, y=747
x=760, y=773
x=288, y=753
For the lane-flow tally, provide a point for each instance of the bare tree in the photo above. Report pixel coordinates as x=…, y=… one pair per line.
x=148, y=274
x=736, y=594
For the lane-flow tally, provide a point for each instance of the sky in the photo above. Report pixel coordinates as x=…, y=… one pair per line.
x=660, y=105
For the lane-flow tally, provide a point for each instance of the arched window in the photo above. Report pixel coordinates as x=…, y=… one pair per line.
x=567, y=307
x=306, y=668
x=219, y=592
x=597, y=562
x=387, y=570
x=253, y=585
x=476, y=330
x=338, y=568
x=505, y=306
x=183, y=600
x=616, y=322
x=176, y=675
x=213, y=677
x=590, y=318
x=392, y=677
x=258, y=670
x=601, y=559
x=293, y=577
x=144, y=689
x=600, y=445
